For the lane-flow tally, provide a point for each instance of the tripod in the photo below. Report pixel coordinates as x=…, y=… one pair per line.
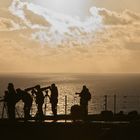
x=5, y=109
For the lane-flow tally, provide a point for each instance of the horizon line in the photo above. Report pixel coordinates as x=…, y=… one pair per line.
x=69, y=72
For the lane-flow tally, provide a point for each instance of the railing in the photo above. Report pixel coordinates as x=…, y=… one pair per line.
x=114, y=103
x=97, y=104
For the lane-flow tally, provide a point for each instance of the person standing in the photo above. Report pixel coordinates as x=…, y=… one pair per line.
x=54, y=99
x=27, y=100
x=85, y=96
x=10, y=99
x=39, y=100
x=38, y=91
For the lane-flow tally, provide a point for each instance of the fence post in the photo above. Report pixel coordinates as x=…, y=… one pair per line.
x=105, y=102
x=115, y=104
x=65, y=108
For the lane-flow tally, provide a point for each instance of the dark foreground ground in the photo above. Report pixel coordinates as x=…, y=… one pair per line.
x=69, y=131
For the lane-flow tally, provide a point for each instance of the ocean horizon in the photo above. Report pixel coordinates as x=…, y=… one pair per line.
x=124, y=86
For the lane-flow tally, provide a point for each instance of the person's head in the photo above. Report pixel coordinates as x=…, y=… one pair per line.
x=53, y=85
x=10, y=86
x=84, y=87
x=37, y=87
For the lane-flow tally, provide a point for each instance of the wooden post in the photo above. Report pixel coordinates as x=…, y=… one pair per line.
x=115, y=104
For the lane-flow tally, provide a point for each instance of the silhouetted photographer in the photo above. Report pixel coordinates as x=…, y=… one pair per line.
x=27, y=100
x=10, y=98
x=54, y=99
x=38, y=92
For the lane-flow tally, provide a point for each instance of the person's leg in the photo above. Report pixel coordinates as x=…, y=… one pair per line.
x=84, y=111
x=12, y=112
x=40, y=111
x=54, y=109
x=28, y=112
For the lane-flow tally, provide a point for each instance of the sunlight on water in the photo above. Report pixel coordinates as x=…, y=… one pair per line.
x=99, y=85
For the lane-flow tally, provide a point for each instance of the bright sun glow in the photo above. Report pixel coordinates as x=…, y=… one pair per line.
x=70, y=7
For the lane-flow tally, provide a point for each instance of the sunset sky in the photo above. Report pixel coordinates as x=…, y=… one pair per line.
x=78, y=36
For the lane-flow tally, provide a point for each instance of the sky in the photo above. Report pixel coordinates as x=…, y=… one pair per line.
x=81, y=7
x=77, y=36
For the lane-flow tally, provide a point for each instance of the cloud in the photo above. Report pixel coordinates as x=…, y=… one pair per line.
x=56, y=27
x=106, y=41
x=113, y=18
x=8, y=24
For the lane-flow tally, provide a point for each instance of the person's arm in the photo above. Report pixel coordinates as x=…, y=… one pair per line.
x=79, y=93
x=45, y=88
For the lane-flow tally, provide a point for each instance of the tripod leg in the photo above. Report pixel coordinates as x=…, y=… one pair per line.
x=3, y=111
x=6, y=110
x=17, y=112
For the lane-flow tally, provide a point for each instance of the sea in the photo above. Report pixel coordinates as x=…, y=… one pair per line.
x=115, y=92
